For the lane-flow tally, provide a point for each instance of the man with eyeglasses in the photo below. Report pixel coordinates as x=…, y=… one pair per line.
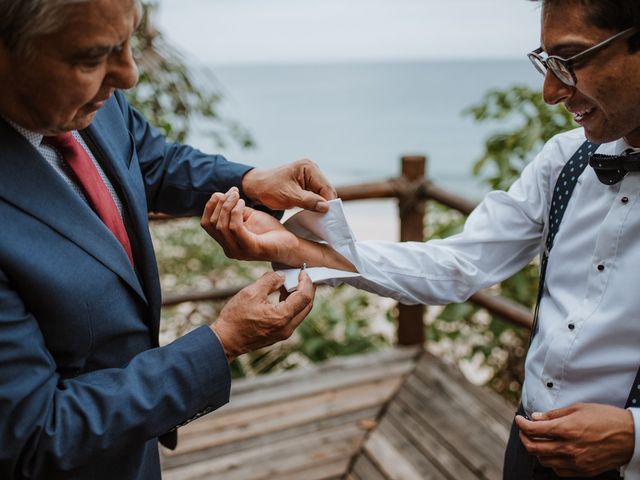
x=580, y=414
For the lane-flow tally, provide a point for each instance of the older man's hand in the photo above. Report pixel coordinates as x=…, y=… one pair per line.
x=250, y=321
x=581, y=440
x=299, y=184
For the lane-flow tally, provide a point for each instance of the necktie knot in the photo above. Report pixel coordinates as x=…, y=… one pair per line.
x=611, y=169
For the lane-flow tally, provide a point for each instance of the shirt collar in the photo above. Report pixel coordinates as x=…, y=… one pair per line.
x=33, y=138
x=621, y=146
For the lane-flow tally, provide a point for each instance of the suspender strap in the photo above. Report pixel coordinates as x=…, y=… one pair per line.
x=561, y=194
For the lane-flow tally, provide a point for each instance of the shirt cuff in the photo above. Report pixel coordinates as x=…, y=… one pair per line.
x=631, y=471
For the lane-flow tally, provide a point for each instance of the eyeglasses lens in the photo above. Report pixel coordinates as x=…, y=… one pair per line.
x=561, y=71
x=538, y=63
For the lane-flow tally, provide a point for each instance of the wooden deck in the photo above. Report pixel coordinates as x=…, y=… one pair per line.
x=393, y=415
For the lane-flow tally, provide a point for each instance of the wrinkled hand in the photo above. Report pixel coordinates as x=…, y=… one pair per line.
x=580, y=440
x=299, y=184
x=245, y=233
x=249, y=321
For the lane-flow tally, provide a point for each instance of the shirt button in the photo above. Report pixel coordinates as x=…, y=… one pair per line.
x=601, y=267
x=571, y=326
x=550, y=384
x=624, y=199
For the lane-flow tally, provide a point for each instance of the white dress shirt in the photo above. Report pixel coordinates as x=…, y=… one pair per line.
x=587, y=348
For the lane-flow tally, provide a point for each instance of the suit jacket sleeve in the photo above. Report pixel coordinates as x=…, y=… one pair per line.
x=178, y=179
x=48, y=422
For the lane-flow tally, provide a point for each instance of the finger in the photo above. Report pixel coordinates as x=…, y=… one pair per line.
x=311, y=201
x=209, y=208
x=297, y=301
x=216, y=212
x=551, y=414
x=297, y=320
x=267, y=284
x=539, y=428
x=231, y=198
x=224, y=214
x=236, y=220
x=318, y=183
x=543, y=447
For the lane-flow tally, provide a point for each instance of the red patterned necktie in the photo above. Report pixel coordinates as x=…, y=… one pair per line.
x=92, y=185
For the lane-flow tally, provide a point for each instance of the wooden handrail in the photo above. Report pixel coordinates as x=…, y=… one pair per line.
x=504, y=307
x=411, y=189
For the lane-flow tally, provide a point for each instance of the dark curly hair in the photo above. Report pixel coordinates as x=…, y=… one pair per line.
x=614, y=15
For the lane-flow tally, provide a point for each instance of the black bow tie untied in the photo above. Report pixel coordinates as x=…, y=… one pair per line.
x=611, y=169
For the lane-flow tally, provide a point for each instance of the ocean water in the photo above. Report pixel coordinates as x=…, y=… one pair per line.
x=357, y=120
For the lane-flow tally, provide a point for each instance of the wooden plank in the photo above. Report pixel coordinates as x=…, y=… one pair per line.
x=461, y=397
x=355, y=362
x=433, y=370
x=259, y=441
x=329, y=401
x=404, y=444
x=462, y=432
x=273, y=418
x=325, y=471
x=428, y=442
x=390, y=460
x=276, y=459
x=316, y=384
x=472, y=434
x=365, y=469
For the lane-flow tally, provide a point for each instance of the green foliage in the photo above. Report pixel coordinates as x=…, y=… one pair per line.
x=471, y=332
x=170, y=95
x=340, y=324
x=507, y=153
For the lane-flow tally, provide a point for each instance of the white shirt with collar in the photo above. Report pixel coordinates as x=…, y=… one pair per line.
x=587, y=348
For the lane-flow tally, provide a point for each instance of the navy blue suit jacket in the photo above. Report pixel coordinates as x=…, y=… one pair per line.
x=85, y=390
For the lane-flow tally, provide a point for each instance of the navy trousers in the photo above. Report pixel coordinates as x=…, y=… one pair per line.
x=519, y=465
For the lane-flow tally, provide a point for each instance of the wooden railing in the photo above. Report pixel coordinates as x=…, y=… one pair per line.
x=412, y=189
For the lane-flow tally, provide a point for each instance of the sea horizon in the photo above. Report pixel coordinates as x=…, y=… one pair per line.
x=356, y=119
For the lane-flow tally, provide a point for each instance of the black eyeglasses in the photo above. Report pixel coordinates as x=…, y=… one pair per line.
x=562, y=68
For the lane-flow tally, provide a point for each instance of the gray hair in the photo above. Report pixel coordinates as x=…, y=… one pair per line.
x=22, y=20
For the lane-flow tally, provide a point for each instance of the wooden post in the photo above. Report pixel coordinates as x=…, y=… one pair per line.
x=412, y=214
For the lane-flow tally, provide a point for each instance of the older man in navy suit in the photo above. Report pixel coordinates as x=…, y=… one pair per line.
x=85, y=390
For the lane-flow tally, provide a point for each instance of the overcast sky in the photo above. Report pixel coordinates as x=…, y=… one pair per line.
x=291, y=31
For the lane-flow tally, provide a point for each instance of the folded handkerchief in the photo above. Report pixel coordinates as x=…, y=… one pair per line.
x=331, y=228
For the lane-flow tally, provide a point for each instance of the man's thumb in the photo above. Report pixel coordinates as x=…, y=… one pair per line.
x=269, y=283
x=314, y=202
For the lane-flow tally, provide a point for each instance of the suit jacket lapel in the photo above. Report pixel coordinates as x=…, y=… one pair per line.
x=132, y=195
x=32, y=185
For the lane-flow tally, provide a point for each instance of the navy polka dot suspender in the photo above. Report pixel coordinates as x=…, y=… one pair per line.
x=561, y=195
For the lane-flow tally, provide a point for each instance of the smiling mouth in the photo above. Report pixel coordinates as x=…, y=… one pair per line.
x=579, y=116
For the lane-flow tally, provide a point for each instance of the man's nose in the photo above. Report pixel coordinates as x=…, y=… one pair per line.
x=123, y=71
x=555, y=91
